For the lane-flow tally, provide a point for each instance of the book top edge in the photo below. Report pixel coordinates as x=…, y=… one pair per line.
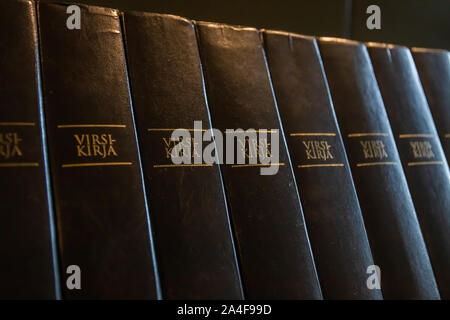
x=428, y=50
x=341, y=41
x=94, y=9
x=90, y=8
x=23, y=1
x=220, y=25
x=383, y=45
x=154, y=14
x=288, y=34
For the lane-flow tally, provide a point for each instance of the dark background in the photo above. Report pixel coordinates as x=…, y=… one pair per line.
x=422, y=23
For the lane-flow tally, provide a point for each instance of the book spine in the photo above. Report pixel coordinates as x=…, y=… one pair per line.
x=420, y=150
x=272, y=242
x=103, y=225
x=434, y=71
x=190, y=220
x=330, y=205
x=27, y=238
x=391, y=223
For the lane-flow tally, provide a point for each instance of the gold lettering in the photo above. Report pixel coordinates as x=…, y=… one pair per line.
x=94, y=145
x=111, y=150
x=9, y=145
x=79, y=139
x=186, y=144
x=318, y=149
x=422, y=149
x=373, y=149
x=254, y=148
x=80, y=151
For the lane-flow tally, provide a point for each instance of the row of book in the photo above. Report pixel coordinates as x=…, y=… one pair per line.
x=93, y=207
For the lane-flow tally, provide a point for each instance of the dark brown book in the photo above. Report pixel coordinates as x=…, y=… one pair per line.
x=330, y=205
x=27, y=238
x=103, y=223
x=420, y=151
x=272, y=243
x=434, y=70
x=391, y=223
x=193, y=240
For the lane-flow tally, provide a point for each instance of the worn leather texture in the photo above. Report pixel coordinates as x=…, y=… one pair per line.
x=420, y=150
x=271, y=238
x=101, y=211
x=330, y=205
x=193, y=239
x=391, y=223
x=26, y=267
x=434, y=71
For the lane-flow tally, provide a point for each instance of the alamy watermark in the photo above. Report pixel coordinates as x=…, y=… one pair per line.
x=374, y=279
x=374, y=19
x=239, y=147
x=74, y=20
x=73, y=281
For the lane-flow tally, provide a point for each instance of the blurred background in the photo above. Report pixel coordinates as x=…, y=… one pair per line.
x=421, y=23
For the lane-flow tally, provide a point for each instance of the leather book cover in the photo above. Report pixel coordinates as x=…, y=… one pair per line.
x=27, y=240
x=391, y=223
x=271, y=238
x=100, y=206
x=193, y=239
x=434, y=71
x=420, y=151
x=330, y=205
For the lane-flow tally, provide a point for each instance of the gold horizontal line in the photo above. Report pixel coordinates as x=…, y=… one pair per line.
x=248, y=131
x=96, y=164
x=424, y=163
x=91, y=126
x=19, y=164
x=447, y=135
x=312, y=134
x=18, y=124
x=182, y=165
x=321, y=165
x=366, y=164
x=164, y=129
x=416, y=135
x=257, y=165
x=352, y=135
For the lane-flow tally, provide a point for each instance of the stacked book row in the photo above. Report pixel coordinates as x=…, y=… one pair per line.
x=337, y=188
